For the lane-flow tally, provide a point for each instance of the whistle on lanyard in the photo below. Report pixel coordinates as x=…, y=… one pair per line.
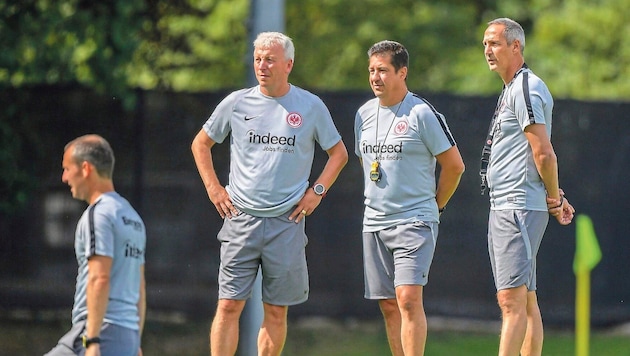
x=375, y=172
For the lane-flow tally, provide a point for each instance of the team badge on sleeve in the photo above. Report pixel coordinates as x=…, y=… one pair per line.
x=294, y=120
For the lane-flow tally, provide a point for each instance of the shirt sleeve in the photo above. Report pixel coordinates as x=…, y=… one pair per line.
x=435, y=132
x=528, y=103
x=327, y=134
x=218, y=125
x=101, y=235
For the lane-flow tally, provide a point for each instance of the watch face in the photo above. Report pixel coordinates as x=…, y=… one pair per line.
x=319, y=189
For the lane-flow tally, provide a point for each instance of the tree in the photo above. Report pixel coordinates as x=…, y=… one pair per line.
x=70, y=42
x=578, y=49
x=332, y=38
x=198, y=45
x=192, y=45
x=49, y=42
x=583, y=50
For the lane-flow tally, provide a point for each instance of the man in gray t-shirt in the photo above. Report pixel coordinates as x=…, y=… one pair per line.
x=274, y=129
x=399, y=138
x=519, y=168
x=110, y=241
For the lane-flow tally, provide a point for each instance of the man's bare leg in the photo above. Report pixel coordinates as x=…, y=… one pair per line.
x=273, y=332
x=533, y=343
x=391, y=315
x=224, y=330
x=513, y=304
x=413, y=319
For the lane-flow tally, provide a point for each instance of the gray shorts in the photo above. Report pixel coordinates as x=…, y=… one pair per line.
x=514, y=237
x=115, y=341
x=277, y=245
x=399, y=255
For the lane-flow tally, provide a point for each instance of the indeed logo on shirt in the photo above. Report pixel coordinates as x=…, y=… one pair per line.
x=133, y=251
x=269, y=139
x=381, y=148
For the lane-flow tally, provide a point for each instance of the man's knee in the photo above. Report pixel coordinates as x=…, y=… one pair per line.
x=388, y=306
x=277, y=313
x=409, y=298
x=229, y=308
x=512, y=299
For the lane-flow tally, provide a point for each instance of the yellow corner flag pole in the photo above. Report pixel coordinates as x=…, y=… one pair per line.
x=587, y=256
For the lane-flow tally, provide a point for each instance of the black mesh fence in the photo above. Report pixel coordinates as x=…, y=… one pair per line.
x=156, y=172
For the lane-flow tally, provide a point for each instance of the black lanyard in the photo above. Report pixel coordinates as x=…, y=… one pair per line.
x=487, y=147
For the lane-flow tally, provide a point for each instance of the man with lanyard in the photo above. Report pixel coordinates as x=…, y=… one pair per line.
x=398, y=138
x=519, y=167
x=274, y=129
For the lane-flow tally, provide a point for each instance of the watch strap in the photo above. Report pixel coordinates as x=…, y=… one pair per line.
x=87, y=341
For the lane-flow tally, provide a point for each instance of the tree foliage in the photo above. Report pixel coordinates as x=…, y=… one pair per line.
x=586, y=50
x=49, y=42
x=70, y=42
x=198, y=45
x=192, y=45
x=332, y=38
x=580, y=49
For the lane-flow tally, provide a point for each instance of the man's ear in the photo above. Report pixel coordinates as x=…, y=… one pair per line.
x=403, y=72
x=289, y=65
x=86, y=168
x=516, y=46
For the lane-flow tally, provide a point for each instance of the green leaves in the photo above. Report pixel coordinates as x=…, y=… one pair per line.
x=199, y=45
x=582, y=51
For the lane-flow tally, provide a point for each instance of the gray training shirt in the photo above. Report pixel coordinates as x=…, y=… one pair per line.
x=513, y=178
x=271, y=146
x=111, y=227
x=405, y=142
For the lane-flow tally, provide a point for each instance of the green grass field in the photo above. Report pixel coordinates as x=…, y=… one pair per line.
x=306, y=339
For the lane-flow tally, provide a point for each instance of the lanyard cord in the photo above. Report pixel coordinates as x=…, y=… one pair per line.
x=487, y=147
x=390, y=125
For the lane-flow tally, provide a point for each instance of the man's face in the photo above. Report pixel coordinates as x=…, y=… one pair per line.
x=272, y=69
x=496, y=49
x=384, y=80
x=74, y=175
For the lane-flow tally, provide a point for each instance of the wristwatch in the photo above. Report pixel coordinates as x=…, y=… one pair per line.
x=89, y=341
x=319, y=189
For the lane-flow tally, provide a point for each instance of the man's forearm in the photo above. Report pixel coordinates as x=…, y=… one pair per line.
x=337, y=159
x=97, y=299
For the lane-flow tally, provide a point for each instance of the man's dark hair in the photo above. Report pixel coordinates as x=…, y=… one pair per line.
x=398, y=53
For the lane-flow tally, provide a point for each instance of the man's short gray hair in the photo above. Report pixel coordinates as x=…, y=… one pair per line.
x=267, y=39
x=513, y=30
